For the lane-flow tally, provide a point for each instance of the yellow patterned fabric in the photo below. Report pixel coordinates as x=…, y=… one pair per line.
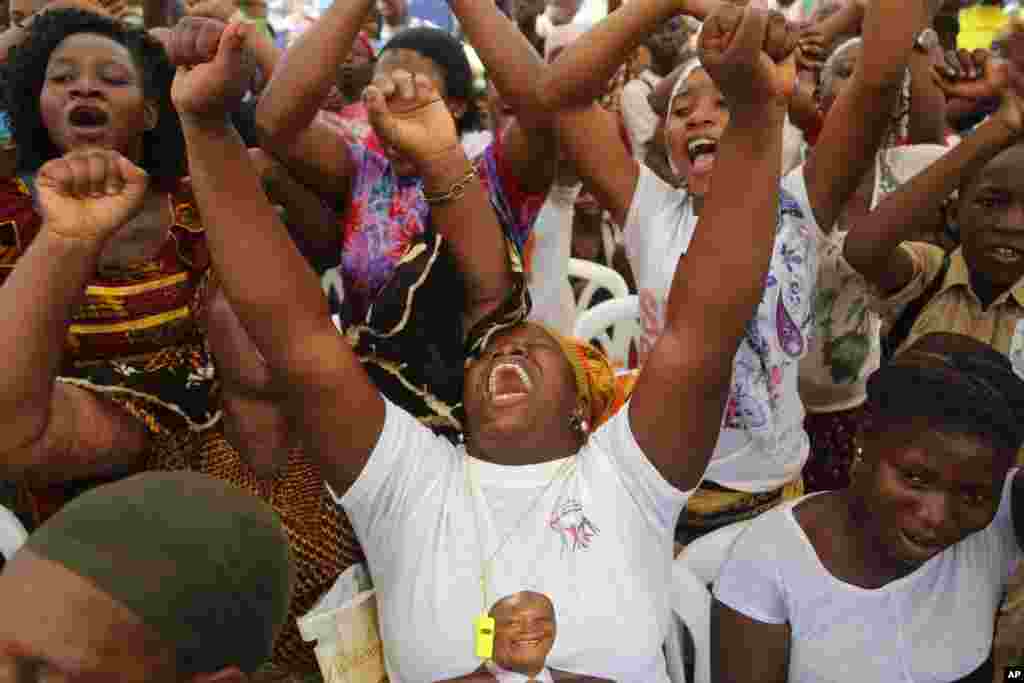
x=597, y=386
x=713, y=506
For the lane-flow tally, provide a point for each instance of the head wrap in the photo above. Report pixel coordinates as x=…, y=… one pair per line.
x=677, y=89
x=202, y=563
x=958, y=383
x=596, y=384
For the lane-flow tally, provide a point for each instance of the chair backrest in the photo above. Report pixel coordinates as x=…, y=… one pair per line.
x=613, y=324
x=12, y=533
x=597, y=277
x=705, y=556
x=696, y=568
x=688, y=644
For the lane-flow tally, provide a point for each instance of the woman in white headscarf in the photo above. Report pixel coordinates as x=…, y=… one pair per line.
x=762, y=446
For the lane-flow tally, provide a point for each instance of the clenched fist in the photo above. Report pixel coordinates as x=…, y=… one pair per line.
x=213, y=70
x=88, y=194
x=408, y=114
x=749, y=54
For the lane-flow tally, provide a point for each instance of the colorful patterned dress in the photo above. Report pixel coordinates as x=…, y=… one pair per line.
x=138, y=340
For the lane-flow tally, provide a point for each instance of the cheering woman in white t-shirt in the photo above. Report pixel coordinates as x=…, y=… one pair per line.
x=538, y=497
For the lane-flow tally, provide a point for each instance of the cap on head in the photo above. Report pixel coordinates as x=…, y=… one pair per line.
x=596, y=385
x=204, y=564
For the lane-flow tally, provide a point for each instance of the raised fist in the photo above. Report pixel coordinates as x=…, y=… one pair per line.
x=89, y=194
x=980, y=75
x=213, y=72
x=971, y=75
x=408, y=115
x=811, y=50
x=748, y=54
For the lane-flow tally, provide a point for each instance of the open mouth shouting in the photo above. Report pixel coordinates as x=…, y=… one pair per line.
x=702, y=153
x=508, y=382
x=87, y=122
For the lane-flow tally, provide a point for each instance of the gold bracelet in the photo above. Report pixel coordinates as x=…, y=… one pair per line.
x=454, y=193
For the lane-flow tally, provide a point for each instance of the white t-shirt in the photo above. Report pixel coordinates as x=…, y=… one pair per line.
x=934, y=625
x=597, y=540
x=550, y=291
x=762, y=445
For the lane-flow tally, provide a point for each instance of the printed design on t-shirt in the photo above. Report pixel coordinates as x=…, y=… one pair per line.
x=743, y=411
x=571, y=524
x=844, y=323
x=1017, y=349
x=776, y=337
x=651, y=322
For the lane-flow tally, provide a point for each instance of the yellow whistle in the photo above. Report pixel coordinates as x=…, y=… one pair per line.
x=483, y=627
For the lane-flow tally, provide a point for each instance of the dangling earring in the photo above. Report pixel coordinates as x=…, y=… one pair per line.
x=578, y=424
x=858, y=460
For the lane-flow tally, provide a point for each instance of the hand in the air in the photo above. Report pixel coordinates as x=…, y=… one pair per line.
x=971, y=75
x=87, y=195
x=811, y=50
x=213, y=71
x=408, y=114
x=980, y=75
x=749, y=55
x=222, y=10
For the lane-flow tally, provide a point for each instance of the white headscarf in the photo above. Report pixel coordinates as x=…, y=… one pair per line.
x=677, y=89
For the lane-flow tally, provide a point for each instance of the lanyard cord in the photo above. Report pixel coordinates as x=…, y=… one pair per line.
x=473, y=487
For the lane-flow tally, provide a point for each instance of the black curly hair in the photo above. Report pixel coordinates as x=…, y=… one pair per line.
x=23, y=75
x=447, y=52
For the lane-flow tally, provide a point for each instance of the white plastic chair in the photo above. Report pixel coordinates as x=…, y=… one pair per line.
x=613, y=324
x=597, y=277
x=697, y=567
x=12, y=533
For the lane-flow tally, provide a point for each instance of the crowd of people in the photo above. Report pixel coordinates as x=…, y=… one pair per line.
x=282, y=305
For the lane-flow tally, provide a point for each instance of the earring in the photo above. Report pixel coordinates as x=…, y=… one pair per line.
x=858, y=460
x=578, y=424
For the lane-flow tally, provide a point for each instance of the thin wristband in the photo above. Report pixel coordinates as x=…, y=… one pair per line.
x=455, y=192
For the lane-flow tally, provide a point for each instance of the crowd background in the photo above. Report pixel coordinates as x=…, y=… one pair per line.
x=460, y=178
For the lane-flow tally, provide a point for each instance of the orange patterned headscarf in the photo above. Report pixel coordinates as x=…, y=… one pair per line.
x=598, y=388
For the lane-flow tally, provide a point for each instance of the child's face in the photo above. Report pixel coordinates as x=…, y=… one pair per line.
x=991, y=217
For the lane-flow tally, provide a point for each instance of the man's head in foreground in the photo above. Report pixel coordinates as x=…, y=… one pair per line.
x=161, y=577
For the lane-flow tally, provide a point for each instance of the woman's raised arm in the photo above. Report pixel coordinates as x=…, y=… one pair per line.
x=676, y=409
x=268, y=283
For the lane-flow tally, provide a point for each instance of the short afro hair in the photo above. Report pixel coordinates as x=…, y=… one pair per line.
x=447, y=52
x=23, y=75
